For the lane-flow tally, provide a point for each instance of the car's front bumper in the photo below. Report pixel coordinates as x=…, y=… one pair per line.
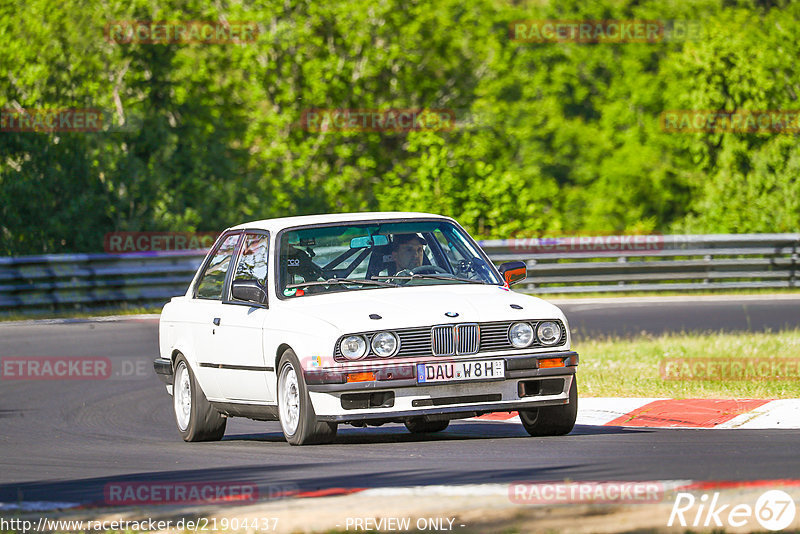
x=525, y=386
x=163, y=369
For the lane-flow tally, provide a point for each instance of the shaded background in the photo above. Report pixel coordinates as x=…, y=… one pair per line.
x=551, y=138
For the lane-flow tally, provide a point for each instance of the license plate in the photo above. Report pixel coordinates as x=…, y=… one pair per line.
x=428, y=373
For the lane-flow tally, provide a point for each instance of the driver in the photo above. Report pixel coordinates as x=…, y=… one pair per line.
x=408, y=251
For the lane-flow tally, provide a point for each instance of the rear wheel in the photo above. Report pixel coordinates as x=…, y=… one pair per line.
x=197, y=420
x=552, y=420
x=298, y=420
x=420, y=425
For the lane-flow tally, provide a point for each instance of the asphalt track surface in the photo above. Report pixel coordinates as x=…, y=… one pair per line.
x=66, y=440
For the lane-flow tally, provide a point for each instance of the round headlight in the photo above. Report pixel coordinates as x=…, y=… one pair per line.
x=384, y=344
x=548, y=332
x=353, y=347
x=521, y=335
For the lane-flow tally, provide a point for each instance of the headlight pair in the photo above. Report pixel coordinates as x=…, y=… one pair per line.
x=384, y=344
x=521, y=334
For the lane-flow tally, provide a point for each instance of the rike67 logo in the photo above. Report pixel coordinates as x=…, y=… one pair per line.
x=774, y=510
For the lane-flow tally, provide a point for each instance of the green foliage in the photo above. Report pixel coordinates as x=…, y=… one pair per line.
x=646, y=359
x=549, y=138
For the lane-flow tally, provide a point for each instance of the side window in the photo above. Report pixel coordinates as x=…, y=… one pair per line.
x=253, y=259
x=213, y=279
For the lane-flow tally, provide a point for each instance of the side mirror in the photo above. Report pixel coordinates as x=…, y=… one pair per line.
x=249, y=291
x=513, y=271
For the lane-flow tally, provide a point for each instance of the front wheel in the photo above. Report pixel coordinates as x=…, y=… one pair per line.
x=298, y=420
x=552, y=420
x=197, y=420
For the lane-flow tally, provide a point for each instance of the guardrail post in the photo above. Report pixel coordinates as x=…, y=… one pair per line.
x=709, y=268
x=622, y=259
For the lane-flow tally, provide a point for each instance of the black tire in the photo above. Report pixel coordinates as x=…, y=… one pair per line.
x=306, y=430
x=552, y=420
x=204, y=423
x=421, y=425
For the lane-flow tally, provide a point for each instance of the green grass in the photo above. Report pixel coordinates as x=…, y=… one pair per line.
x=632, y=367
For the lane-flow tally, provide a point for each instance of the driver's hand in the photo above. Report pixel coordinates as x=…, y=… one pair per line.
x=403, y=272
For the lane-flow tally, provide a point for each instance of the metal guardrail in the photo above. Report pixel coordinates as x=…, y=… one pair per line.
x=653, y=262
x=555, y=265
x=86, y=281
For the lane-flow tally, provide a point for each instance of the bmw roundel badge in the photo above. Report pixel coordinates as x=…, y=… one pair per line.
x=451, y=314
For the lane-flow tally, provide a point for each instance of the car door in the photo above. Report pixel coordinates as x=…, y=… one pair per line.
x=238, y=342
x=207, y=309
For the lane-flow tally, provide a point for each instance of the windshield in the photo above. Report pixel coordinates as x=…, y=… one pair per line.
x=325, y=259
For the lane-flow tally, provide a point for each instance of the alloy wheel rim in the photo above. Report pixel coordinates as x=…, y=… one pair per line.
x=290, y=400
x=182, y=397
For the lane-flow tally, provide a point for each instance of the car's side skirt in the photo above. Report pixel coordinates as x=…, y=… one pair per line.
x=259, y=412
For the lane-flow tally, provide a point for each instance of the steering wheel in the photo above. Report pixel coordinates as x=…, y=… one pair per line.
x=422, y=269
x=474, y=269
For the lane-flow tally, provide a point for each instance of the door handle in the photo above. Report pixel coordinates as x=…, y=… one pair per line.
x=216, y=321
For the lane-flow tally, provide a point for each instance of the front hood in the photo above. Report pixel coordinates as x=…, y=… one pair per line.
x=404, y=307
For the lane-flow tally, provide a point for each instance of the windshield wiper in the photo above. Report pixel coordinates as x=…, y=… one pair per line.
x=429, y=277
x=331, y=281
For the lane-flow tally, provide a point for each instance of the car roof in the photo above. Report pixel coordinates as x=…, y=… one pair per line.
x=301, y=220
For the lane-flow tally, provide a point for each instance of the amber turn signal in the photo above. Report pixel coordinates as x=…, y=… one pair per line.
x=545, y=363
x=360, y=377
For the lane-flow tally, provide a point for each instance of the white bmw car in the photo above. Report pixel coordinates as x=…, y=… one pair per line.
x=361, y=319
